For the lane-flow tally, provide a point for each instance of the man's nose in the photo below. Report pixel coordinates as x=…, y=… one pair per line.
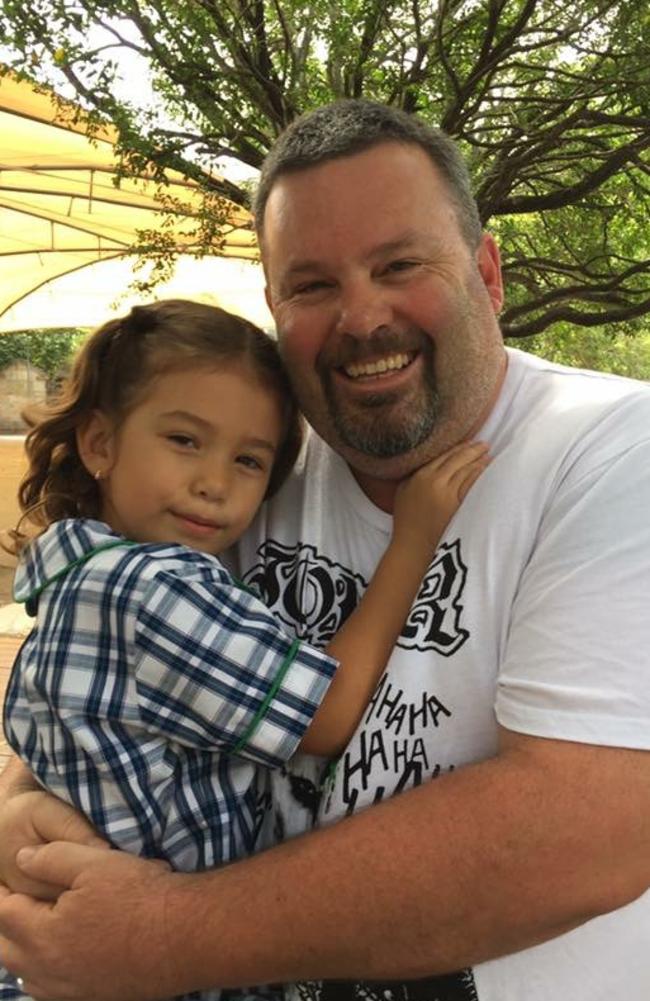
x=363, y=308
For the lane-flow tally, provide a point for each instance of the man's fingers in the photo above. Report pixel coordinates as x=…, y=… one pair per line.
x=67, y=951
x=15, y=946
x=55, y=820
x=30, y=818
x=58, y=863
x=14, y=908
x=61, y=863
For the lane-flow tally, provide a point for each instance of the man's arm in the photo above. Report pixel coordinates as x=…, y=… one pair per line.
x=490, y=859
x=483, y=862
x=30, y=816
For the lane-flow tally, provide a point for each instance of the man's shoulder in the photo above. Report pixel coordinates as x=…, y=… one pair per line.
x=577, y=381
x=566, y=397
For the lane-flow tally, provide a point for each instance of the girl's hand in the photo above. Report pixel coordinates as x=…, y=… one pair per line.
x=426, y=501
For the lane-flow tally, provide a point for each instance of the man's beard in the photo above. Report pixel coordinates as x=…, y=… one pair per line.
x=371, y=428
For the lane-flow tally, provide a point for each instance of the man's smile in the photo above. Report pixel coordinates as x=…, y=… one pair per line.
x=393, y=372
x=379, y=366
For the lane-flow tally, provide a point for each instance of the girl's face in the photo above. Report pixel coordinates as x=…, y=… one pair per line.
x=191, y=462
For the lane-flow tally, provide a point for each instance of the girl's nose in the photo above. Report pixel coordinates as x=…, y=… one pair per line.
x=212, y=482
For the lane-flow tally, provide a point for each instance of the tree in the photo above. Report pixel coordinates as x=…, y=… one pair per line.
x=600, y=350
x=549, y=101
x=48, y=350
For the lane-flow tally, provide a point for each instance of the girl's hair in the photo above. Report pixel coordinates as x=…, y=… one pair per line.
x=111, y=371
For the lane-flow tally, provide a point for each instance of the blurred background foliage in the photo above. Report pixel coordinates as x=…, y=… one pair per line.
x=549, y=102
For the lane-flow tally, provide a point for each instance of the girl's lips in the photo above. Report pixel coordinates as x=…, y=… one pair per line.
x=197, y=525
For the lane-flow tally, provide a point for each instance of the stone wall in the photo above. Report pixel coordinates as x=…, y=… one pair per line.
x=20, y=385
x=13, y=465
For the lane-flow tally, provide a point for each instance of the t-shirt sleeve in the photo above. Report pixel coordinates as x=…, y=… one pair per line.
x=216, y=671
x=577, y=662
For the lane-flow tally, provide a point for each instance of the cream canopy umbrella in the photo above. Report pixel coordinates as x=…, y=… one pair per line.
x=102, y=291
x=62, y=206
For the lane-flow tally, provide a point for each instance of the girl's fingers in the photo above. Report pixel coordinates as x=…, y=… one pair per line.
x=470, y=479
x=456, y=458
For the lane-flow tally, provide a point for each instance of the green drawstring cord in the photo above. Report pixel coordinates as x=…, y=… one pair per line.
x=284, y=667
x=257, y=718
x=71, y=566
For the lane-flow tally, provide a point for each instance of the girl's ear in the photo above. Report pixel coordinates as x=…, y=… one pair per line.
x=96, y=444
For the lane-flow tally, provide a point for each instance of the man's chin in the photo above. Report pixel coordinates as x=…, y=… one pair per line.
x=393, y=467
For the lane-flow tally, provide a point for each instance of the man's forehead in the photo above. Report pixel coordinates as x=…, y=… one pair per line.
x=349, y=211
x=397, y=171
x=315, y=209
x=390, y=156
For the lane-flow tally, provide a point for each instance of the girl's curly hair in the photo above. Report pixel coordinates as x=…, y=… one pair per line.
x=110, y=373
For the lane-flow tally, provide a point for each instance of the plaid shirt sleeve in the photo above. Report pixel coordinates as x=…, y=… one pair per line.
x=214, y=670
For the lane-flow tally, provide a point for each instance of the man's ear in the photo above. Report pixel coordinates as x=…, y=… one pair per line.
x=488, y=260
x=96, y=444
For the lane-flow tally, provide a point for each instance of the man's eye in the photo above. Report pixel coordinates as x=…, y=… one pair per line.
x=309, y=287
x=403, y=265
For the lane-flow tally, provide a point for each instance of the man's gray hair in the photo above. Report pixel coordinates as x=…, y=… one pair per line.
x=347, y=127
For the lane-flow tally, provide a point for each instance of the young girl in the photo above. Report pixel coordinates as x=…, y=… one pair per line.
x=155, y=691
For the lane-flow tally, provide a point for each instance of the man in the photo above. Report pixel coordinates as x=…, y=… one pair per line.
x=515, y=713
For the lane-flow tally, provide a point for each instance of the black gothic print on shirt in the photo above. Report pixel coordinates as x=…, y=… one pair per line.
x=434, y=619
x=313, y=596
x=308, y=593
x=447, y=987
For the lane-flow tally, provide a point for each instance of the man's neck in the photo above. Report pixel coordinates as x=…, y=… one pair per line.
x=380, y=492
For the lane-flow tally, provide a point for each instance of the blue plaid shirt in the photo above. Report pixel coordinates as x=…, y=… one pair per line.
x=155, y=692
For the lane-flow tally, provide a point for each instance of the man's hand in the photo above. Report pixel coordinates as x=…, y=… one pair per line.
x=34, y=818
x=63, y=950
x=493, y=858
x=30, y=816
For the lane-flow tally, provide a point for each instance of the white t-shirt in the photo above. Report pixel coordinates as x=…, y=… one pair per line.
x=534, y=612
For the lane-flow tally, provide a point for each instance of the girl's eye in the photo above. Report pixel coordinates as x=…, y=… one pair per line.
x=182, y=440
x=251, y=462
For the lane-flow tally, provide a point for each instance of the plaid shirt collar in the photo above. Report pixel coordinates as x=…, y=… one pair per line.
x=63, y=546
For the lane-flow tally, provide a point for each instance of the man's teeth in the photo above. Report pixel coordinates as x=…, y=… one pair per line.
x=388, y=364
